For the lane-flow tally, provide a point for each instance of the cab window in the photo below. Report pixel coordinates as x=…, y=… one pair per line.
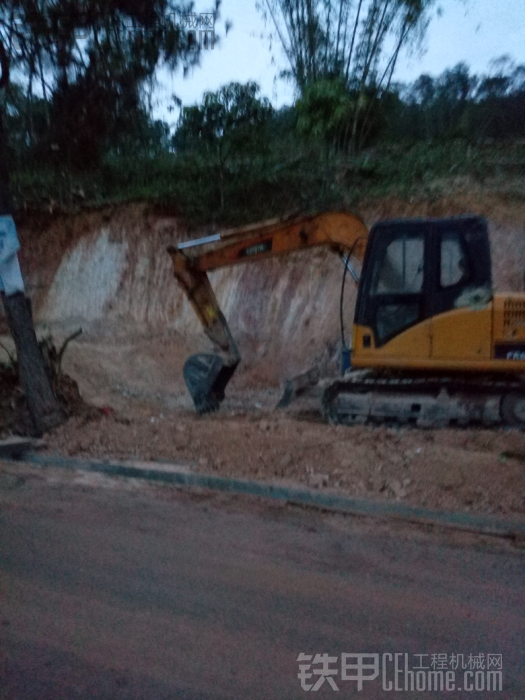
x=400, y=271
x=397, y=285
x=454, y=266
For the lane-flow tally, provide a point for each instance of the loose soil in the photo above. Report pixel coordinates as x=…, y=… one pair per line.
x=143, y=412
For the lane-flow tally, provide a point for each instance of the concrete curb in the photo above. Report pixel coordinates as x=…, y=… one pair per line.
x=181, y=475
x=14, y=448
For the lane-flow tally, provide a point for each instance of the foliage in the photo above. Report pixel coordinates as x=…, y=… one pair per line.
x=457, y=104
x=327, y=109
x=356, y=41
x=233, y=159
x=229, y=125
x=91, y=63
x=323, y=109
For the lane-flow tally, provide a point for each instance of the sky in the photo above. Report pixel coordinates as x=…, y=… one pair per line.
x=474, y=31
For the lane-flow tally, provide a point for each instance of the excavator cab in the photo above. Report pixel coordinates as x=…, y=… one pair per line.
x=415, y=270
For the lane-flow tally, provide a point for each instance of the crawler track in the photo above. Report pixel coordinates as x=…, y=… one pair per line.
x=425, y=401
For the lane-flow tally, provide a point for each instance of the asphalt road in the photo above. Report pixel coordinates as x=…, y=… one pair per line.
x=111, y=589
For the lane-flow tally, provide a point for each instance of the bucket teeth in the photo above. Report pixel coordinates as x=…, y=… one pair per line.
x=206, y=377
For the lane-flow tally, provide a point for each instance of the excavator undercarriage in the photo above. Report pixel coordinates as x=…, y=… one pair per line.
x=365, y=397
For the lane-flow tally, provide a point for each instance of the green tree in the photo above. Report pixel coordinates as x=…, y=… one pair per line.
x=324, y=111
x=229, y=127
x=460, y=105
x=443, y=104
x=93, y=62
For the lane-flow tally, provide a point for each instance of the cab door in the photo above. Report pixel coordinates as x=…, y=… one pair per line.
x=393, y=298
x=460, y=302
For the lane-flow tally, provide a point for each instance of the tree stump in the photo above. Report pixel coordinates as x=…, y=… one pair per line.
x=44, y=407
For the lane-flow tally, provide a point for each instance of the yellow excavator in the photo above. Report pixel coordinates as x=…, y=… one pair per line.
x=431, y=345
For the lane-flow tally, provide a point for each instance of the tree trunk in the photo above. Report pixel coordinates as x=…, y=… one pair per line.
x=221, y=176
x=44, y=408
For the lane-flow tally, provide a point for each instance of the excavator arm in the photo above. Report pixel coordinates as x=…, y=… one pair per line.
x=207, y=375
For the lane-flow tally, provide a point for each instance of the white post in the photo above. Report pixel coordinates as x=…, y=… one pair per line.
x=11, y=281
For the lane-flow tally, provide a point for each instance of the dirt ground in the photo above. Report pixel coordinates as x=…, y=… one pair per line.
x=467, y=470
x=141, y=411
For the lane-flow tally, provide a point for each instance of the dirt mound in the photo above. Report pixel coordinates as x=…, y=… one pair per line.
x=14, y=413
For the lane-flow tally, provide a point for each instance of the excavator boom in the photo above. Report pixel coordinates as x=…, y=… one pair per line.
x=207, y=375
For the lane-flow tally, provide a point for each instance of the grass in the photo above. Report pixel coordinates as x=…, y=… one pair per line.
x=288, y=179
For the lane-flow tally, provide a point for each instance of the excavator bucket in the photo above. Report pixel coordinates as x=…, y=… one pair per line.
x=206, y=377
x=298, y=385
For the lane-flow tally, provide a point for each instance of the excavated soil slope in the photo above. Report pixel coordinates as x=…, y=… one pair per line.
x=108, y=272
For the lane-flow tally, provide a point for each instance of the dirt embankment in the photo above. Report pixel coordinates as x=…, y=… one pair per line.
x=108, y=272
